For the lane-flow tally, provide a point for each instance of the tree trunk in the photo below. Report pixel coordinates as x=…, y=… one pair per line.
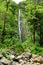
x=41, y=41
x=34, y=33
x=5, y=19
x=3, y=32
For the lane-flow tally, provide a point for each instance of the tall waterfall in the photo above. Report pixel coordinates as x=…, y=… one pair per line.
x=19, y=24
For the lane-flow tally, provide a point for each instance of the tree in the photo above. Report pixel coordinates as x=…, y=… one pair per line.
x=5, y=20
x=39, y=15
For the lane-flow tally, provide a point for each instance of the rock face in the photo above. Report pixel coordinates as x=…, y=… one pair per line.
x=23, y=59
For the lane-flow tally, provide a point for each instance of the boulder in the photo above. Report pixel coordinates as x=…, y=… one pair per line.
x=19, y=57
x=41, y=64
x=23, y=63
x=26, y=63
x=1, y=63
x=11, y=57
x=34, y=56
x=1, y=56
x=5, y=61
x=38, y=63
x=12, y=52
x=34, y=64
x=38, y=59
x=27, y=55
x=20, y=61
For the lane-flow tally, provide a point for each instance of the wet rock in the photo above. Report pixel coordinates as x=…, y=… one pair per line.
x=15, y=59
x=7, y=52
x=41, y=64
x=23, y=63
x=1, y=63
x=19, y=57
x=38, y=59
x=34, y=64
x=26, y=63
x=20, y=61
x=5, y=61
x=34, y=56
x=25, y=56
x=24, y=59
x=38, y=63
x=12, y=57
x=28, y=55
x=1, y=56
x=13, y=53
x=14, y=63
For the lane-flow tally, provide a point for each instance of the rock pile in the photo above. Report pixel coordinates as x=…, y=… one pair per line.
x=23, y=59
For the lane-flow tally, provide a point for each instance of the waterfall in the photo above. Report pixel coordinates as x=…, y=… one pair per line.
x=19, y=24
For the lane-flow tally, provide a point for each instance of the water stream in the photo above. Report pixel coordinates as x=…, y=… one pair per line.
x=19, y=24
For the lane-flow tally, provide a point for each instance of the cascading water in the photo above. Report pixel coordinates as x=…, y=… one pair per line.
x=19, y=24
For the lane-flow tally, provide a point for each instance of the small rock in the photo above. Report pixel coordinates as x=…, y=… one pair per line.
x=12, y=56
x=20, y=61
x=14, y=63
x=34, y=64
x=19, y=57
x=38, y=63
x=41, y=64
x=27, y=55
x=16, y=60
x=23, y=63
x=13, y=53
x=27, y=63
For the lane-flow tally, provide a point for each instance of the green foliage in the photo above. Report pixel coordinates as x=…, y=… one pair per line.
x=33, y=48
x=37, y=49
x=32, y=27
x=9, y=57
x=3, y=51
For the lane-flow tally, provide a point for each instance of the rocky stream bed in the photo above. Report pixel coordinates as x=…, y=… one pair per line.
x=25, y=58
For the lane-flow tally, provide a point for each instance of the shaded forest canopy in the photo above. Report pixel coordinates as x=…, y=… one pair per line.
x=32, y=26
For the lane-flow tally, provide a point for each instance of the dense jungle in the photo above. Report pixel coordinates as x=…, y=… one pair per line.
x=21, y=26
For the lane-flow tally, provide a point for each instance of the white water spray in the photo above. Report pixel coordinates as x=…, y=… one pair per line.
x=19, y=24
